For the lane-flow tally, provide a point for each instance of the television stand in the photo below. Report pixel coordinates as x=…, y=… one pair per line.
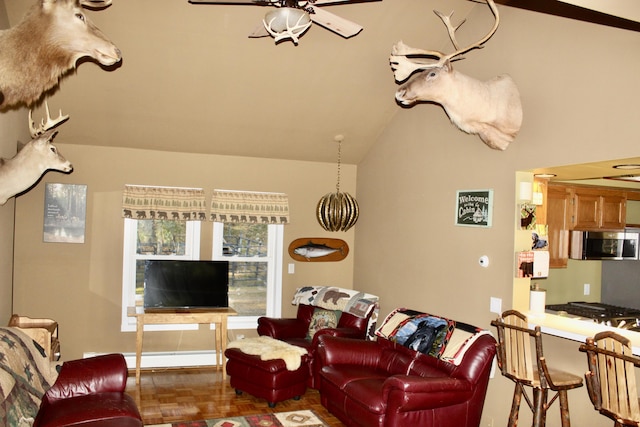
x=217, y=316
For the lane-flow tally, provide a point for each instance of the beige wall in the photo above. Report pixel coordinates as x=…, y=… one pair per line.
x=13, y=128
x=79, y=285
x=579, y=89
x=8, y=142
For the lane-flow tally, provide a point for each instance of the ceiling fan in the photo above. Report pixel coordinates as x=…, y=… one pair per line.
x=291, y=18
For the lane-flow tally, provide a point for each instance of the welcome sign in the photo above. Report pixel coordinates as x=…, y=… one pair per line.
x=474, y=208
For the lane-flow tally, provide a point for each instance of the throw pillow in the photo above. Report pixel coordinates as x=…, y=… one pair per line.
x=418, y=331
x=322, y=319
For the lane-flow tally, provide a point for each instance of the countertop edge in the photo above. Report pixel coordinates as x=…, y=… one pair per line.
x=577, y=329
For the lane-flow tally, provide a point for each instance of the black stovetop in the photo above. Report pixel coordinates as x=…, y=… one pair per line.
x=595, y=310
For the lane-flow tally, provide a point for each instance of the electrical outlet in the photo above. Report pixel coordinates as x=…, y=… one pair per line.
x=587, y=289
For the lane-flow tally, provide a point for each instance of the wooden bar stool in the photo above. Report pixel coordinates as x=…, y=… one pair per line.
x=516, y=362
x=611, y=379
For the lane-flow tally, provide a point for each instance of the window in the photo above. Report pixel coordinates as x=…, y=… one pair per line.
x=152, y=239
x=254, y=252
x=160, y=224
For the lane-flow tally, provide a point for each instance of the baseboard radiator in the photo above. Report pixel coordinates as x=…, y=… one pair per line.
x=168, y=359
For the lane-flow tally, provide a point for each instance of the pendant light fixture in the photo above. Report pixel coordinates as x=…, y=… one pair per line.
x=287, y=22
x=337, y=211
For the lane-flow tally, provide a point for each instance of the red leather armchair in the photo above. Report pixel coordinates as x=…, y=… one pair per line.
x=382, y=383
x=294, y=331
x=90, y=393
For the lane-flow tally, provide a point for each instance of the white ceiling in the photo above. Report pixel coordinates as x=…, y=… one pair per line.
x=192, y=81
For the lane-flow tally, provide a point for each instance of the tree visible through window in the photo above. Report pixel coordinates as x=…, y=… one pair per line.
x=157, y=239
x=247, y=279
x=153, y=239
x=254, y=276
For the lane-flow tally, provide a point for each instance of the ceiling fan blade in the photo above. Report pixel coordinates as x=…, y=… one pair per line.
x=330, y=2
x=259, y=2
x=259, y=31
x=335, y=23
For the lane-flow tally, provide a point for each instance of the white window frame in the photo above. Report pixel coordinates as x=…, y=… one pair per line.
x=129, y=258
x=274, y=259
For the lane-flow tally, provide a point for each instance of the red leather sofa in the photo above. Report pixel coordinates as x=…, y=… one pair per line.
x=382, y=383
x=89, y=393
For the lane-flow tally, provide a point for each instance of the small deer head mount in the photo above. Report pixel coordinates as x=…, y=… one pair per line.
x=490, y=109
x=39, y=155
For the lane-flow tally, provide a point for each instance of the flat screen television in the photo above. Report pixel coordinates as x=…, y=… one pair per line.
x=173, y=284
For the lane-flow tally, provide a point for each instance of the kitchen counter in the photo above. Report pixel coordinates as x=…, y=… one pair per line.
x=577, y=329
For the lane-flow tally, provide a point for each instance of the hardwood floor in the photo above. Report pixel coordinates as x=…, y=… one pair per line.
x=170, y=395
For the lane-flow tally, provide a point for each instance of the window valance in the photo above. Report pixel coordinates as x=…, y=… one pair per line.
x=244, y=206
x=174, y=203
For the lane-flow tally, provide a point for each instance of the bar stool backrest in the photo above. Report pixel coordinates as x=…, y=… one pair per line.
x=611, y=379
x=516, y=357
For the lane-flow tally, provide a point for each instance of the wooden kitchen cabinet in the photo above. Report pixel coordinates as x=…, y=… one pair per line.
x=558, y=205
x=598, y=209
x=571, y=207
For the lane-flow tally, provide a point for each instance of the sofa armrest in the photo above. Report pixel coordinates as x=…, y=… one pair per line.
x=347, y=351
x=107, y=373
x=408, y=392
x=282, y=329
x=337, y=332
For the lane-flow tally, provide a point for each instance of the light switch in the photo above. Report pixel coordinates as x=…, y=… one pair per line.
x=292, y=268
x=495, y=306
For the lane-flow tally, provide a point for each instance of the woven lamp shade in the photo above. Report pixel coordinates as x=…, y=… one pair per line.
x=337, y=211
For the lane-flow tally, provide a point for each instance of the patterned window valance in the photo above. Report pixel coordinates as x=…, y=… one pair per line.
x=242, y=206
x=180, y=204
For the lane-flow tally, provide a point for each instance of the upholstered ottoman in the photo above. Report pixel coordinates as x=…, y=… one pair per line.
x=266, y=379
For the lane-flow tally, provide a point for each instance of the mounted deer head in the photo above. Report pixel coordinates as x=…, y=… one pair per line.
x=46, y=44
x=490, y=109
x=25, y=169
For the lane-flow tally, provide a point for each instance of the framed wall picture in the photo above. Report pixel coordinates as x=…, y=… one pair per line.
x=65, y=208
x=474, y=208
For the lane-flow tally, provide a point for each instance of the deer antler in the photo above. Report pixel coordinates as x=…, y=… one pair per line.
x=291, y=32
x=403, y=67
x=45, y=126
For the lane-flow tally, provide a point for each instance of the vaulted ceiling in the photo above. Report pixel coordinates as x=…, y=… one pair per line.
x=192, y=81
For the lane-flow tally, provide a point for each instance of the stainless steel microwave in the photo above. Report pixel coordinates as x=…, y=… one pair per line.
x=615, y=245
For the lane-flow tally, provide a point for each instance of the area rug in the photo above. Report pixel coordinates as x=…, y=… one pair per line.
x=304, y=418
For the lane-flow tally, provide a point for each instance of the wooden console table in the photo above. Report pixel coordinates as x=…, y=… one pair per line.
x=217, y=316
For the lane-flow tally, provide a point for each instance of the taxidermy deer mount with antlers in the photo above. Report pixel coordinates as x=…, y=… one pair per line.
x=46, y=44
x=490, y=109
x=38, y=156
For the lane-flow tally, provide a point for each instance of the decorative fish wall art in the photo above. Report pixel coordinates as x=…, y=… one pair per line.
x=318, y=249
